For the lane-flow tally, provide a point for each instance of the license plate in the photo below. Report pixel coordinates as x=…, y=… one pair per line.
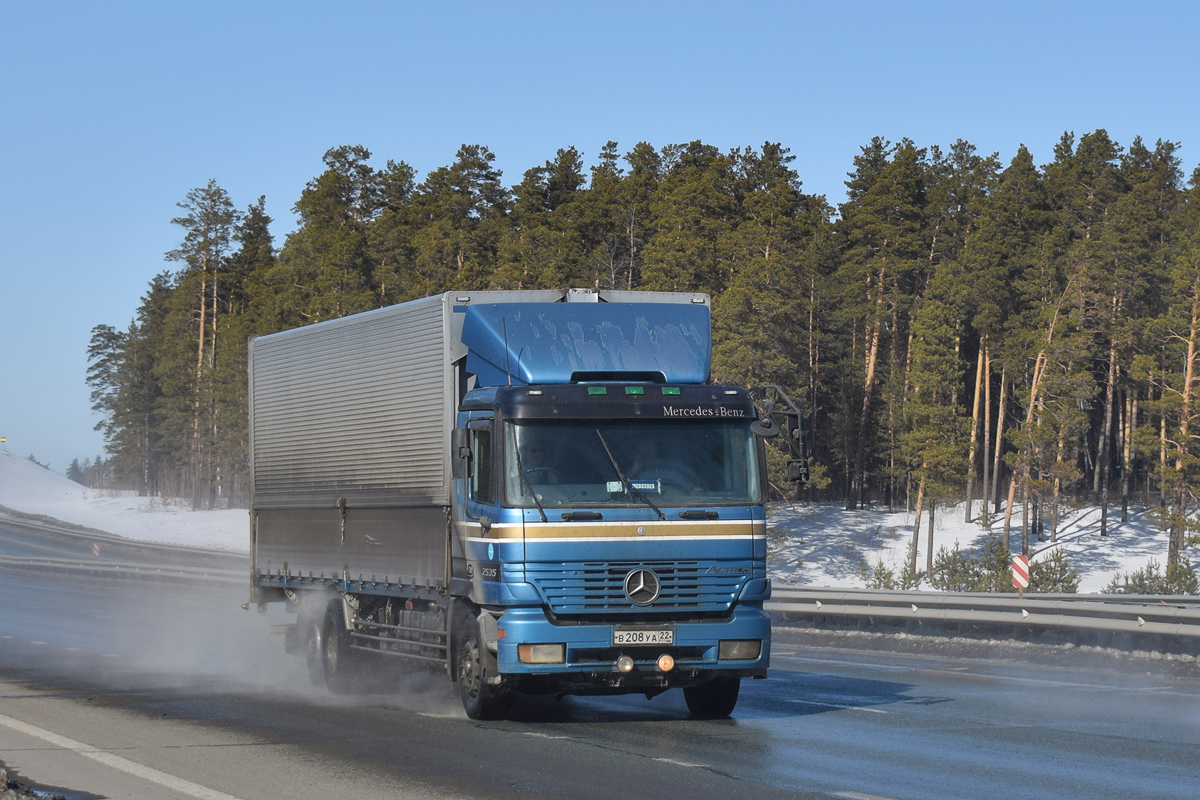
x=635, y=637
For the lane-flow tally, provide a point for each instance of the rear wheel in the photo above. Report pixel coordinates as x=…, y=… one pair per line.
x=314, y=644
x=480, y=700
x=341, y=666
x=714, y=699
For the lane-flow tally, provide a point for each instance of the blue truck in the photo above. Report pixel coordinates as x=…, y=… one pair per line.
x=534, y=491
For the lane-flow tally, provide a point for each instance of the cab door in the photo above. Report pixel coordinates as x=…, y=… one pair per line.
x=482, y=507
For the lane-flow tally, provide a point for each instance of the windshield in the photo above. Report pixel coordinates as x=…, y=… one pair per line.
x=627, y=462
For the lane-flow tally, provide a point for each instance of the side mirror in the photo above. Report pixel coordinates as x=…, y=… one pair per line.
x=460, y=453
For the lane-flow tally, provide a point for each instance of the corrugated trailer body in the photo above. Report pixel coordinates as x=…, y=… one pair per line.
x=332, y=408
x=350, y=420
x=534, y=491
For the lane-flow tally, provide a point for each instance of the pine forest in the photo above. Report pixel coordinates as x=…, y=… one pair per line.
x=1013, y=335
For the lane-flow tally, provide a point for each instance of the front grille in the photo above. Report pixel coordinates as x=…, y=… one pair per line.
x=595, y=587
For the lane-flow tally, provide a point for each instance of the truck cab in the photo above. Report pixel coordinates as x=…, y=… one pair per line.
x=613, y=538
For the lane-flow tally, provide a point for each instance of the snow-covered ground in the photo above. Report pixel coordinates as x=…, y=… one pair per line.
x=825, y=545
x=810, y=545
x=31, y=489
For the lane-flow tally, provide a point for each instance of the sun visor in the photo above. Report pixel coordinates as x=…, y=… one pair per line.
x=546, y=343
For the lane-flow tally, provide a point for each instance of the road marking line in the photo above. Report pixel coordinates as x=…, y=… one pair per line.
x=677, y=762
x=844, y=706
x=116, y=762
x=860, y=796
x=545, y=735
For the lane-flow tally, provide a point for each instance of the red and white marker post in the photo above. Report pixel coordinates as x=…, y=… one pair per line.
x=1021, y=574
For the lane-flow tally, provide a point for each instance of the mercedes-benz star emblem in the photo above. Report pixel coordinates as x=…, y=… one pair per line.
x=642, y=586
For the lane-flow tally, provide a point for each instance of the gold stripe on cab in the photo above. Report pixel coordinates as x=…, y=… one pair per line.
x=633, y=530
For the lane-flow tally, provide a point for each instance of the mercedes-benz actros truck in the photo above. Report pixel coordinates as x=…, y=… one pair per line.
x=533, y=491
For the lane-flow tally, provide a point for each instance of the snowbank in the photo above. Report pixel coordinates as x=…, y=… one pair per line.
x=32, y=489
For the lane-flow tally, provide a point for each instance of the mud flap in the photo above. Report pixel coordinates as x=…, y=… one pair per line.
x=491, y=646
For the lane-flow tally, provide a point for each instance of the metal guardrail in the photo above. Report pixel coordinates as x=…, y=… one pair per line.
x=1153, y=615
x=135, y=572
x=74, y=552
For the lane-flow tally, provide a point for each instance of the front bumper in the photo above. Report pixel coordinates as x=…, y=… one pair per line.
x=591, y=658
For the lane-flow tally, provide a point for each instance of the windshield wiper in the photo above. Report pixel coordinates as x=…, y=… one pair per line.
x=629, y=490
x=528, y=485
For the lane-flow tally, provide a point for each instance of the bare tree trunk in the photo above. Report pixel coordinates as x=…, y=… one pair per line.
x=892, y=447
x=1012, y=496
x=1025, y=517
x=812, y=344
x=1054, y=509
x=1038, y=369
x=929, y=553
x=1057, y=493
x=1162, y=457
x=195, y=454
x=974, y=433
x=1102, y=454
x=996, y=456
x=916, y=535
x=985, y=487
x=1131, y=411
x=1175, y=543
x=872, y=357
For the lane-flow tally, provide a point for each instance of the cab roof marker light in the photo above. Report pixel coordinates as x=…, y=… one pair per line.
x=670, y=390
x=634, y=390
x=731, y=391
x=597, y=390
x=535, y=392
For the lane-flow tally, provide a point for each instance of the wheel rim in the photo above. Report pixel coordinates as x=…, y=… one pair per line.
x=470, y=673
x=330, y=652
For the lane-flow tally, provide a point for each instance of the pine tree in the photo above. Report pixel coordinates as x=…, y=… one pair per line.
x=327, y=255
x=459, y=216
x=208, y=231
x=934, y=443
x=389, y=237
x=543, y=246
x=693, y=211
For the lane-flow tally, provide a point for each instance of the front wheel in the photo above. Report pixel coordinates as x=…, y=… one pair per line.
x=480, y=700
x=714, y=699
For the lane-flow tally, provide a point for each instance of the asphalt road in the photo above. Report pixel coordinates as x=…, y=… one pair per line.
x=125, y=689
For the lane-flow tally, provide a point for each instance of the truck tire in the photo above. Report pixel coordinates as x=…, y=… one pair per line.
x=314, y=643
x=480, y=700
x=714, y=699
x=341, y=666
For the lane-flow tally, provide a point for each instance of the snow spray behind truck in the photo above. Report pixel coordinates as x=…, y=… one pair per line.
x=534, y=491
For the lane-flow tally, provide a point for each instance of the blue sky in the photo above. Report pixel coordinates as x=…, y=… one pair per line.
x=110, y=112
